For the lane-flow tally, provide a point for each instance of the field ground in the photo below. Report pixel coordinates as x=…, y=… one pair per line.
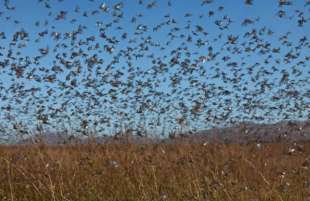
x=159, y=172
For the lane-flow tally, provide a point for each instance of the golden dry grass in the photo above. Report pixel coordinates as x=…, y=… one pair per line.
x=184, y=172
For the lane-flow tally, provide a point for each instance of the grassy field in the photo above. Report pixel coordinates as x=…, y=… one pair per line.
x=184, y=172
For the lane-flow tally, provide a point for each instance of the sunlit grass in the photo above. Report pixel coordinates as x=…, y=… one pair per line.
x=155, y=172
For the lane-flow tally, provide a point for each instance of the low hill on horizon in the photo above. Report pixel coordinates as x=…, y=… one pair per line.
x=242, y=133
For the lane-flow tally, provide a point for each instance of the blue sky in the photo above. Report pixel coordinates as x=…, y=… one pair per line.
x=263, y=12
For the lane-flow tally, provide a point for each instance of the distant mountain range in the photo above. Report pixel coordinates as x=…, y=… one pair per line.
x=243, y=133
x=250, y=132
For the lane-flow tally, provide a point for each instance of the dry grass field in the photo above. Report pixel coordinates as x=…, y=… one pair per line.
x=202, y=172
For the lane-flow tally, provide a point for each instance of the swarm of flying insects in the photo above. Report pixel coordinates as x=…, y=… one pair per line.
x=104, y=68
x=162, y=100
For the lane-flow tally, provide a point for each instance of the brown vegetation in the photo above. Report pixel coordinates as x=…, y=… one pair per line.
x=253, y=172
